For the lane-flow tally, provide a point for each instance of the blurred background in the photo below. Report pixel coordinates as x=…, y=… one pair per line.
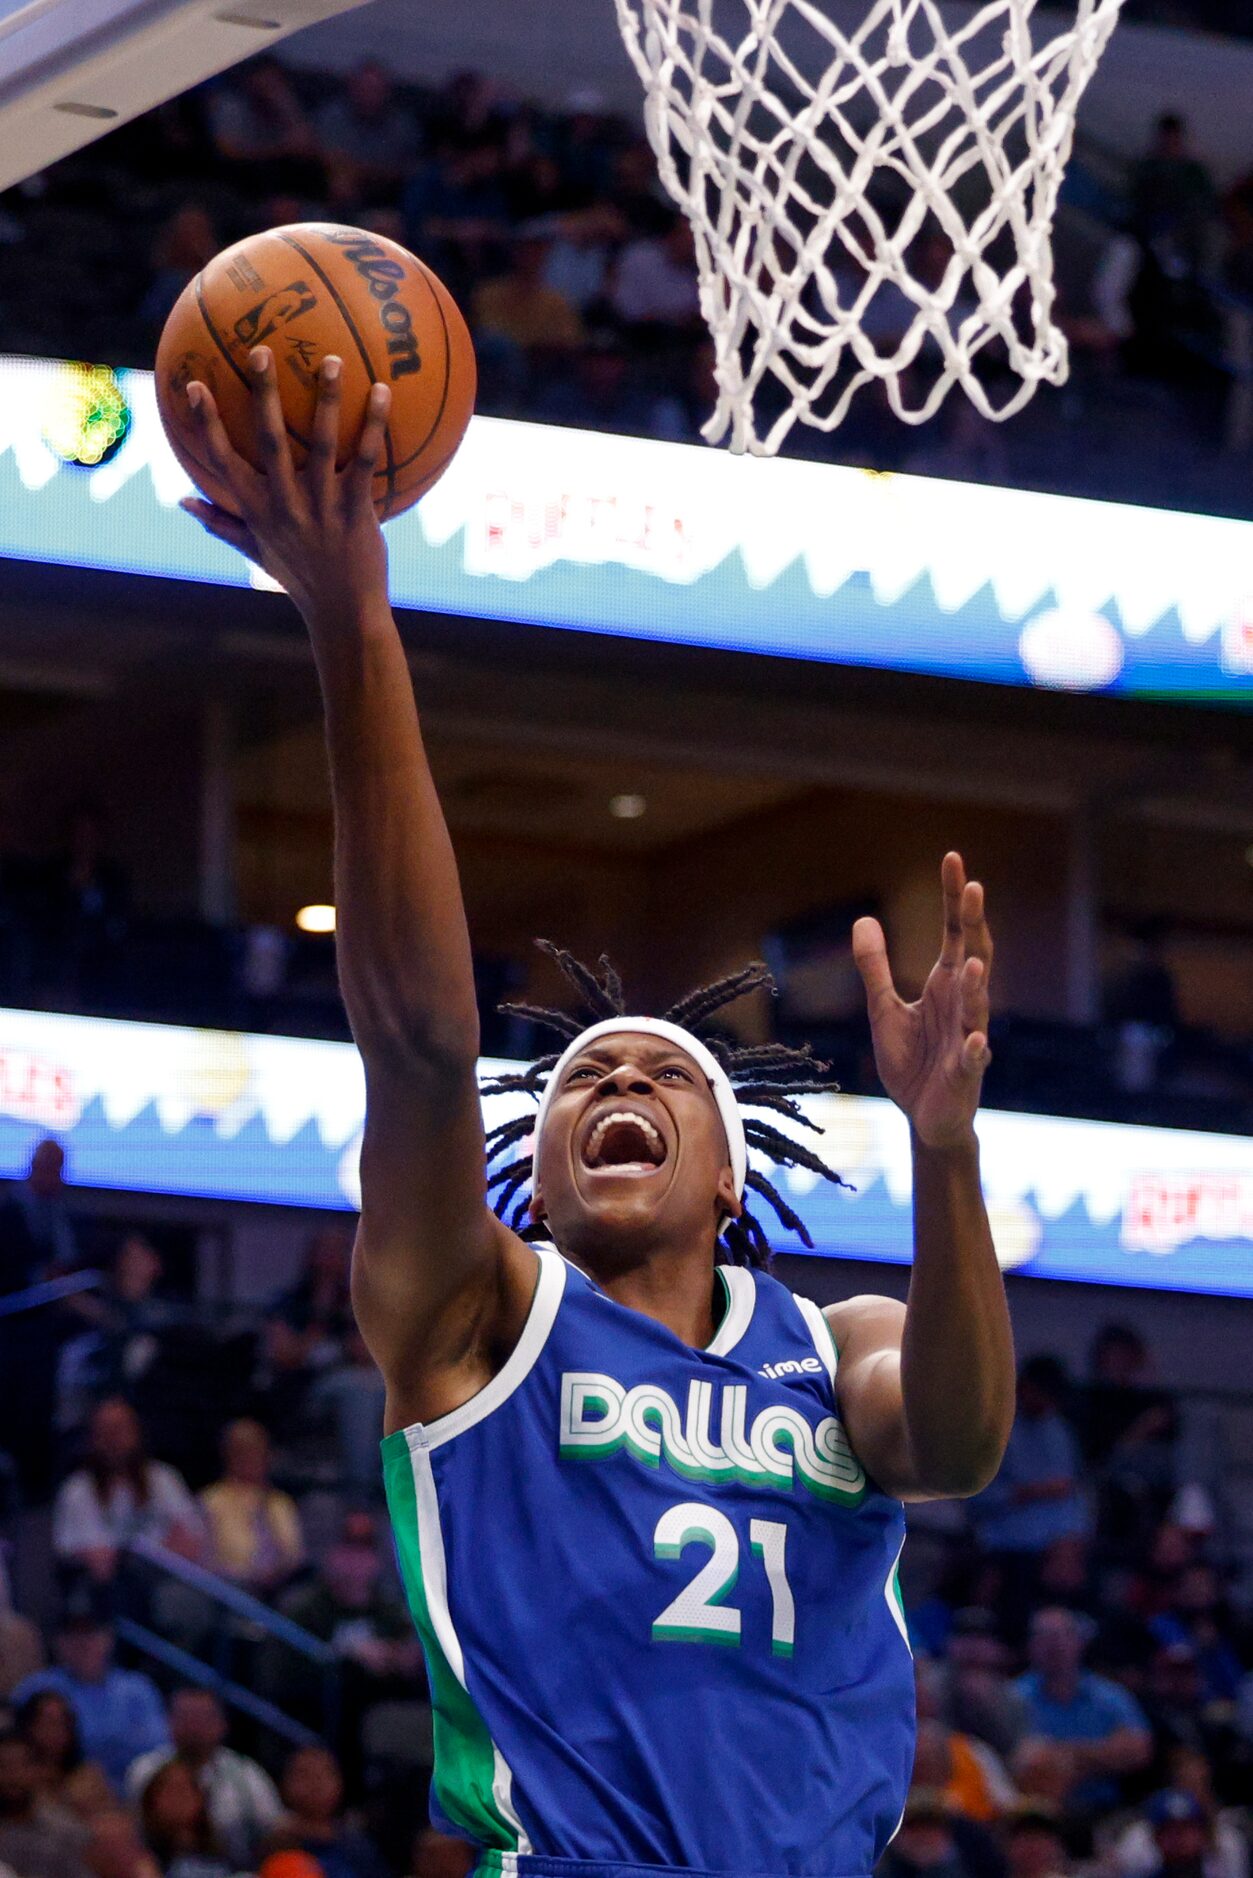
x=202, y=1641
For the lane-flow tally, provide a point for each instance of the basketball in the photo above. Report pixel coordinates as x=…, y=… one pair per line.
x=306, y=290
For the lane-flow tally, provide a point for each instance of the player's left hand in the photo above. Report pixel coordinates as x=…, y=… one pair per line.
x=931, y=1055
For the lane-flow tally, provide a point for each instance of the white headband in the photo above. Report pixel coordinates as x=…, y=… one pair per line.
x=702, y=1056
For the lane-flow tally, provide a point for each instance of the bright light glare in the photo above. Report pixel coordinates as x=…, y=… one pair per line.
x=316, y=919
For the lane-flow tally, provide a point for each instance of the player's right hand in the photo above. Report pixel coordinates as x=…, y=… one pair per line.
x=313, y=529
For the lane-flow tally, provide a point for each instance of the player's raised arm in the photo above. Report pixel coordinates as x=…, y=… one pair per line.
x=927, y=1391
x=428, y=1251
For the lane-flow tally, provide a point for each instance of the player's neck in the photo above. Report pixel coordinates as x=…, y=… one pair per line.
x=675, y=1289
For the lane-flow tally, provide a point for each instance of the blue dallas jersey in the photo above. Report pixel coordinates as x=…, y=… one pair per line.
x=658, y=1598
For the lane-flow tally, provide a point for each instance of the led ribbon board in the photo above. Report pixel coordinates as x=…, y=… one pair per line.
x=659, y=541
x=226, y=1115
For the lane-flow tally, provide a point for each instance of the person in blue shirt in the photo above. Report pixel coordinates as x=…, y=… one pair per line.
x=120, y=1713
x=1033, y=1518
x=1100, y=1724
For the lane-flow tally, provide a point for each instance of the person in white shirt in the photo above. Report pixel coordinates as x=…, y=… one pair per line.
x=655, y=280
x=118, y=1496
x=242, y=1800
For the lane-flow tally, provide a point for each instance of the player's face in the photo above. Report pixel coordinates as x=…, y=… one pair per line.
x=634, y=1154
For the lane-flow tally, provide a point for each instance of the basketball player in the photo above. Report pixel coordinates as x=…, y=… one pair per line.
x=648, y=1504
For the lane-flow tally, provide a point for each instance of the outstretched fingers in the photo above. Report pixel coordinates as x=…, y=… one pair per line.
x=324, y=433
x=870, y=954
x=271, y=425
x=219, y=452
x=953, y=887
x=359, y=475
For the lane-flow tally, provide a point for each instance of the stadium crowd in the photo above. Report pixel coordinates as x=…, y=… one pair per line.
x=1082, y=1629
x=578, y=278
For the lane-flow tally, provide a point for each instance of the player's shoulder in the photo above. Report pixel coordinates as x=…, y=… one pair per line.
x=867, y=1322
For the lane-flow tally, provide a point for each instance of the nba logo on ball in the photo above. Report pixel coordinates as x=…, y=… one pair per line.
x=308, y=290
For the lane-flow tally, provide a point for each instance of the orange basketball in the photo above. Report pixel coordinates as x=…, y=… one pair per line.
x=306, y=290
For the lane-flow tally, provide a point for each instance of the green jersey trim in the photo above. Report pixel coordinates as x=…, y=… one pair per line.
x=472, y=1780
x=895, y=1602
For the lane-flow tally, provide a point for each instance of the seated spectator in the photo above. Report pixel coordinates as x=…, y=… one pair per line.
x=254, y=1530
x=38, y=1235
x=438, y=1855
x=126, y=1321
x=966, y=1773
x=184, y=244
x=68, y=1786
x=118, y=1496
x=115, y=1848
x=119, y=1712
x=21, y=1646
x=29, y=1844
x=1101, y=1726
x=455, y=210
x=1178, y=1837
x=581, y=253
x=1035, y=1846
x=262, y=134
x=314, y=1822
x=1034, y=1507
x=1128, y=1429
x=597, y=391
x=467, y=114
x=976, y=1696
x=636, y=192
x=654, y=282
x=1197, y=1615
x=517, y=305
x=177, y=1830
x=928, y=1842
x=1175, y=1705
x=355, y=1395
x=1174, y=204
x=242, y=1801
x=370, y=139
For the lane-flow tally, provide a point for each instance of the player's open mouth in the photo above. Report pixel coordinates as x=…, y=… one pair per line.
x=624, y=1142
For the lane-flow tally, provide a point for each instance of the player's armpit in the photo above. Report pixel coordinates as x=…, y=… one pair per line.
x=439, y=1285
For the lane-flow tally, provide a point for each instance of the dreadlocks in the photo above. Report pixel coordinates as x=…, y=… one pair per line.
x=764, y=1076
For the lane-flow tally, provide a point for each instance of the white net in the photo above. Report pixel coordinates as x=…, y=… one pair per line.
x=872, y=190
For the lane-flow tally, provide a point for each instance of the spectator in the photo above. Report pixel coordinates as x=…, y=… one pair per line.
x=115, y=1849
x=467, y=116
x=1197, y=1615
x=119, y=1712
x=261, y=133
x=965, y=1773
x=38, y=1237
x=241, y=1800
x=126, y=1323
x=21, y=1646
x=976, y=1696
x=518, y=307
x=355, y=1396
x=369, y=137
x=307, y=1330
x=29, y=1844
x=1178, y=1837
x=314, y=1822
x=177, y=1830
x=636, y=193
x=655, y=280
x=254, y=1530
x=1174, y=1703
x=184, y=244
x=455, y=210
x=1128, y=1427
x=1174, y=204
x=438, y=1855
x=1035, y=1846
x=68, y=1786
x=1102, y=1727
x=1034, y=1510
x=926, y=1842
x=119, y=1496
x=599, y=393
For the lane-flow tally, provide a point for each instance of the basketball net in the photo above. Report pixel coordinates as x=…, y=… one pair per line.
x=872, y=201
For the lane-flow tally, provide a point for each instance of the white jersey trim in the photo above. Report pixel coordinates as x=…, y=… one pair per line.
x=820, y=1331
x=741, y=1299
x=549, y=1289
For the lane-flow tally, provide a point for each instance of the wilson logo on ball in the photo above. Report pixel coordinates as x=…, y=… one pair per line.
x=383, y=278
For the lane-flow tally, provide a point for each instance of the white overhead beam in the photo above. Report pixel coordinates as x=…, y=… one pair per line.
x=70, y=70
